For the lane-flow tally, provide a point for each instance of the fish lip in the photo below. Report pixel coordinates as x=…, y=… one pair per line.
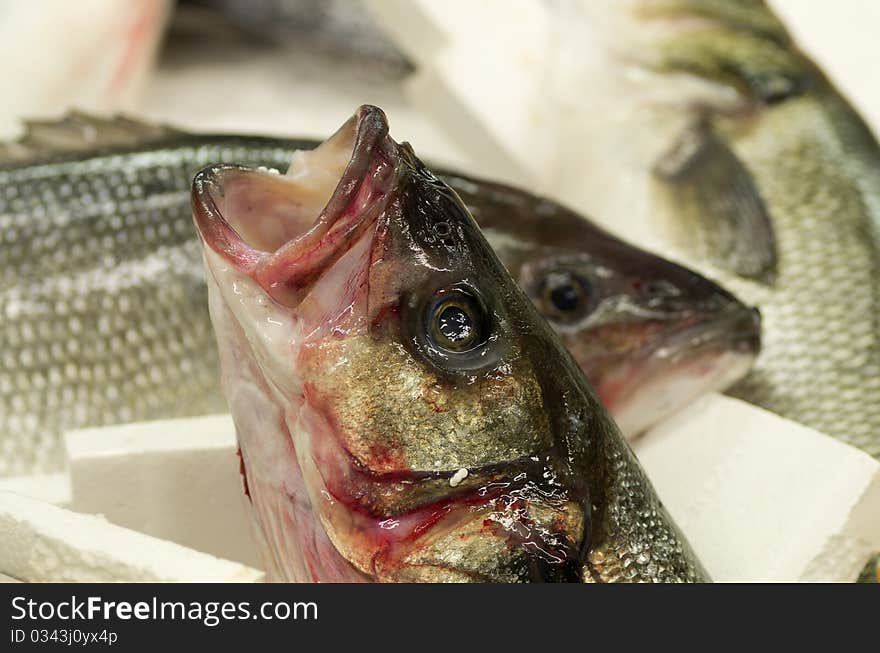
x=508, y=488
x=483, y=485
x=736, y=328
x=372, y=148
x=212, y=227
x=710, y=338
x=511, y=471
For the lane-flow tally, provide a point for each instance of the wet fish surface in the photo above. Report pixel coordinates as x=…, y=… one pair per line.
x=104, y=317
x=403, y=411
x=709, y=129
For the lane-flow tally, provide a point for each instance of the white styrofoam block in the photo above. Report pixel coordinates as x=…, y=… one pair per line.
x=762, y=498
x=40, y=542
x=101, y=54
x=417, y=27
x=51, y=488
x=758, y=496
x=488, y=83
x=162, y=478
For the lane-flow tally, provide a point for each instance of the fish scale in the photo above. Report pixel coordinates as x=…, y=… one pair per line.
x=820, y=362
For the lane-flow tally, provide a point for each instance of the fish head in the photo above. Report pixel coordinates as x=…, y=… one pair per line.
x=649, y=334
x=382, y=354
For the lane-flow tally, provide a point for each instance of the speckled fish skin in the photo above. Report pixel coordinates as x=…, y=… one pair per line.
x=102, y=296
x=403, y=412
x=746, y=163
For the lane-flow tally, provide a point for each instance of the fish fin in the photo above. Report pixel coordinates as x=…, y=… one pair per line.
x=79, y=132
x=708, y=181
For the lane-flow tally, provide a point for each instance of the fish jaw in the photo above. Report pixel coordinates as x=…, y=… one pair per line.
x=330, y=468
x=291, y=542
x=485, y=528
x=260, y=334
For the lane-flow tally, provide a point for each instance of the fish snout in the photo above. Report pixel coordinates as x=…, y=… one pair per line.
x=735, y=326
x=706, y=308
x=669, y=287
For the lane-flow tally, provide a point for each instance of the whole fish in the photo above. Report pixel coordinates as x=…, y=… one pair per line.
x=711, y=137
x=104, y=316
x=403, y=412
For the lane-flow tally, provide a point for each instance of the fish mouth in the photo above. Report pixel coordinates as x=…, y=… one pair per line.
x=286, y=230
x=702, y=354
x=495, y=514
x=510, y=520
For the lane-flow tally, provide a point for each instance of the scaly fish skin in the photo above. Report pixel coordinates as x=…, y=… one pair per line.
x=104, y=318
x=403, y=412
x=715, y=141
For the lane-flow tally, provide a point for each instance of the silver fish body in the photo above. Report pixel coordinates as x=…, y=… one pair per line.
x=104, y=318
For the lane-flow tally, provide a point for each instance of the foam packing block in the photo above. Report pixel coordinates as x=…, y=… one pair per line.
x=162, y=478
x=51, y=488
x=762, y=498
x=488, y=83
x=40, y=542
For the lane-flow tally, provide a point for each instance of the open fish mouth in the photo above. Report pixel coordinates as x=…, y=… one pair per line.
x=270, y=239
x=264, y=223
x=702, y=354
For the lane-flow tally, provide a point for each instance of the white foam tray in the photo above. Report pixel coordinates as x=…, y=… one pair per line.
x=759, y=497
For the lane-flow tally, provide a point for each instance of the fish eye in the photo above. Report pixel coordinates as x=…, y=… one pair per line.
x=566, y=296
x=456, y=321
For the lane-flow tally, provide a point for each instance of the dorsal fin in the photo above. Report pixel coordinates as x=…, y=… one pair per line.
x=79, y=132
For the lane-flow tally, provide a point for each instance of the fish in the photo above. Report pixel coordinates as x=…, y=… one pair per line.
x=403, y=412
x=710, y=137
x=105, y=321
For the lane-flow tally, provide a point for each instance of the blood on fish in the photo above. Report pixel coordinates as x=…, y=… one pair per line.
x=243, y=472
